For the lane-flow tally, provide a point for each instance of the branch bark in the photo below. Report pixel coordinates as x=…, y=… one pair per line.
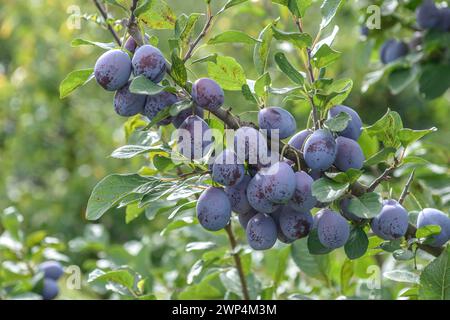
x=105, y=17
x=206, y=27
x=405, y=191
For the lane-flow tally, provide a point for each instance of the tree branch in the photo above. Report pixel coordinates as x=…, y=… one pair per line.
x=405, y=191
x=237, y=260
x=206, y=27
x=105, y=17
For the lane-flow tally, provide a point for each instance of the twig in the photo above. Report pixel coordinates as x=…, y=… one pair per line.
x=237, y=260
x=381, y=178
x=105, y=17
x=209, y=18
x=405, y=191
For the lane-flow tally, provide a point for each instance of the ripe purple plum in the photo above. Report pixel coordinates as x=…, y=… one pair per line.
x=150, y=62
x=238, y=196
x=393, y=50
x=320, y=150
x=256, y=196
x=294, y=224
x=194, y=138
x=156, y=103
x=332, y=229
x=226, y=170
x=392, y=221
x=244, y=218
x=430, y=216
x=349, y=154
x=354, y=126
x=303, y=200
x=182, y=115
x=51, y=269
x=276, y=118
x=50, y=289
x=128, y=104
x=207, y=94
x=113, y=69
x=279, y=182
x=213, y=209
x=298, y=140
x=130, y=44
x=427, y=15
x=261, y=232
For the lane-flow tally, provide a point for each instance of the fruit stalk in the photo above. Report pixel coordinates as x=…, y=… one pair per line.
x=105, y=17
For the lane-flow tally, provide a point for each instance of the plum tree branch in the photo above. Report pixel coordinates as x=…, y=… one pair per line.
x=105, y=17
x=206, y=27
x=405, y=191
x=237, y=260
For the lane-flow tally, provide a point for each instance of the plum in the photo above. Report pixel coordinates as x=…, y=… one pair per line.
x=332, y=229
x=298, y=140
x=276, y=118
x=343, y=205
x=182, y=115
x=238, y=196
x=51, y=269
x=130, y=44
x=50, y=289
x=393, y=50
x=128, y=104
x=226, y=170
x=427, y=15
x=392, y=221
x=213, y=209
x=244, y=218
x=194, y=138
x=430, y=216
x=156, y=103
x=320, y=150
x=113, y=69
x=349, y=154
x=280, y=235
x=354, y=126
x=444, y=19
x=303, y=200
x=256, y=196
x=150, y=62
x=294, y=224
x=249, y=144
x=261, y=232
x=279, y=182
x=207, y=94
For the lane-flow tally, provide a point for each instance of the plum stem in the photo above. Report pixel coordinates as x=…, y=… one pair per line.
x=206, y=27
x=405, y=191
x=237, y=260
x=104, y=14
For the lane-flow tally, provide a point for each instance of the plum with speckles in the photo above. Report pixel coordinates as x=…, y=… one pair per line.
x=276, y=118
x=194, y=138
x=113, y=69
x=128, y=104
x=156, y=103
x=427, y=15
x=256, y=196
x=332, y=229
x=393, y=50
x=182, y=115
x=343, y=205
x=261, y=232
x=392, y=221
x=207, y=94
x=349, y=154
x=279, y=182
x=294, y=224
x=213, y=209
x=430, y=216
x=238, y=196
x=302, y=199
x=150, y=62
x=298, y=140
x=276, y=217
x=226, y=170
x=50, y=289
x=51, y=269
x=354, y=126
x=244, y=218
x=320, y=150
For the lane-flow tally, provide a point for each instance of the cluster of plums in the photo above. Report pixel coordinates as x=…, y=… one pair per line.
x=113, y=70
x=428, y=17
x=52, y=271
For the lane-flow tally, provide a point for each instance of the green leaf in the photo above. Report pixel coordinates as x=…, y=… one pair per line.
x=403, y=255
x=109, y=191
x=122, y=277
x=387, y=128
x=232, y=3
x=338, y=123
x=434, y=81
x=350, y=176
x=142, y=85
x=179, y=106
x=262, y=48
x=188, y=29
x=195, y=246
x=381, y=156
x=228, y=73
x=435, y=278
x=130, y=151
x=409, y=136
x=81, y=42
x=328, y=10
x=178, y=70
x=74, y=80
x=297, y=7
x=316, y=266
x=300, y=40
x=400, y=79
x=325, y=56
x=156, y=14
x=402, y=276
x=262, y=85
x=326, y=190
x=232, y=36
x=357, y=243
x=285, y=66
x=427, y=231
x=247, y=93
x=315, y=247
x=366, y=206
x=132, y=212
x=209, y=58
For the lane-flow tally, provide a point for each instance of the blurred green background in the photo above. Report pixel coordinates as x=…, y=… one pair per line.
x=52, y=151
